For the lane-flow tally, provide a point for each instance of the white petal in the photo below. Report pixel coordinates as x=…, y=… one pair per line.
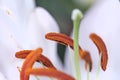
x=18, y=9
x=2, y=77
x=103, y=19
x=40, y=23
x=8, y=46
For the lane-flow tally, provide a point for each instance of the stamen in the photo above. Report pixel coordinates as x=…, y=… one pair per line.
x=102, y=49
x=23, y=54
x=60, y=38
x=49, y=72
x=66, y=40
x=28, y=63
x=88, y=59
x=46, y=62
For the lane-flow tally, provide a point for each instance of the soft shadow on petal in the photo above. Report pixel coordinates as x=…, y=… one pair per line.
x=2, y=77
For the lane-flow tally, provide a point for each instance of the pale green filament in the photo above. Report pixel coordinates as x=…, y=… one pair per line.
x=98, y=69
x=51, y=78
x=88, y=71
x=76, y=17
x=37, y=78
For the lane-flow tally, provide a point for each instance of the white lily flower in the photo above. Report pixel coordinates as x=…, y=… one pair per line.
x=102, y=19
x=23, y=27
